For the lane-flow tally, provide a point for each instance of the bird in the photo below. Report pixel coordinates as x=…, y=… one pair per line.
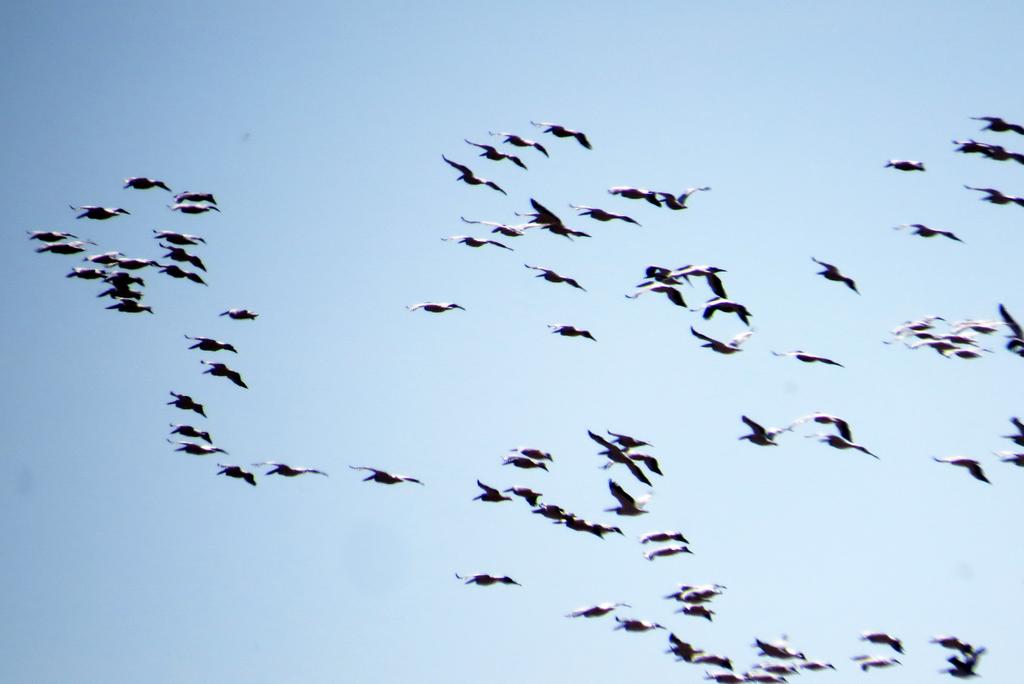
x=384, y=477
x=998, y=197
x=677, y=203
x=925, y=231
x=808, y=358
x=832, y=273
x=972, y=466
x=66, y=248
x=681, y=649
x=883, y=638
x=551, y=512
x=780, y=669
x=599, y=610
x=189, y=431
x=650, y=462
x=185, y=208
x=435, y=307
x=702, y=593
x=759, y=434
x=617, y=455
x=999, y=125
x=470, y=178
x=180, y=254
x=504, y=228
x=905, y=165
x=198, y=449
x=519, y=141
x=570, y=331
x=221, y=370
x=51, y=235
x=709, y=273
x=135, y=264
x=186, y=403
x=877, y=662
x=239, y=314
x=630, y=192
x=724, y=677
x=471, y=241
x=626, y=441
x=1016, y=458
x=523, y=462
x=560, y=131
x=492, y=153
x=730, y=347
x=1015, y=341
x=123, y=279
x=666, y=536
x=697, y=611
x=666, y=551
x=826, y=419
x=490, y=494
x=182, y=239
x=189, y=196
x=99, y=213
x=713, y=659
x=712, y=306
x=627, y=504
x=130, y=306
x=209, y=344
x=88, y=273
x=145, y=183
x=964, y=667
x=636, y=625
x=176, y=271
x=839, y=442
x=526, y=493
x=1018, y=438
x=104, y=259
x=237, y=471
x=778, y=649
x=535, y=454
x=953, y=643
x=816, y=665
x=121, y=292
x=602, y=215
x=484, y=580
x=674, y=295
x=289, y=471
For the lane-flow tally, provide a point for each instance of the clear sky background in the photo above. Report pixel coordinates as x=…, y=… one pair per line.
x=320, y=129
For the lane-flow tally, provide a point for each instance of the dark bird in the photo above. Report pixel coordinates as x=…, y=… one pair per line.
x=709, y=273
x=186, y=403
x=681, y=649
x=209, y=344
x=145, y=183
x=925, y=231
x=560, y=131
x=198, y=449
x=1018, y=438
x=839, y=442
x=73, y=247
x=526, y=493
x=626, y=441
x=384, y=477
x=998, y=197
x=236, y=471
x=826, y=419
x=999, y=125
x=240, y=314
x=678, y=202
x=616, y=455
x=104, y=259
x=289, y=471
x=697, y=611
x=808, y=358
x=183, y=239
x=484, y=580
x=490, y=494
x=599, y=610
x=523, y=462
x=519, y=141
x=188, y=196
x=123, y=279
x=650, y=462
x=193, y=208
x=761, y=435
x=601, y=214
x=905, y=165
x=98, y=213
x=636, y=193
x=570, y=331
x=471, y=241
x=552, y=277
x=627, y=504
x=435, y=307
x=130, y=306
x=670, y=291
x=492, y=153
x=221, y=370
x=88, y=273
x=1015, y=340
x=883, y=638
x=176, y=271
x=712, y=659
x=730, y=347
x=637, y=625
x=952, y=643
x=661, y=537
x=972, y=466
x=121, y=292
x=180, y=254
x=713, y=306
x=50, y=235
x=189, y=431
x=135, y=264
x=964, y=667
x=832, y=273
x=470, y=178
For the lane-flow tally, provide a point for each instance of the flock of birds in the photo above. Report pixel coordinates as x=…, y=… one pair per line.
x=620, y=451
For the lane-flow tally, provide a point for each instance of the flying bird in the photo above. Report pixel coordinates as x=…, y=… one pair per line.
x=490, y=494
x=504, y=228
x=761, y=435
x=599, y=610
x=998, y=197
x=237, y=471
x=193, y=208
x=289, y=471
x=526, y=493
x=972, y=466
x=560, y=131
x=713, y=306
x=240, y=314
x=145, y=183
x=51, y=235
x=484, y=580
x=661, y=537
x=674, y=295
x=66, y=248
x=839, y=442
x=636, y=625
x=877, y=662
x=492, y=153
x=186, y=403
x=182, y=255
x=883, y=638
x=999, y=125
x=808, y=358
x=519, y=141
x=925, y=231
x=189, y=431
x=964, y=667
x=98, y=213
x=681, y=649
x=209, y=344
x=470, y=178
x=570, y=331
x=471, y=241
x=1015, y=341
x=384, y=477
x=677, y=203
x=176, y=271
x=435, y=307
x=709, y=273
x=666, y=551
x=826, y=419
x=630, y=192
x=627, y=504
x=601, y=214
x=730, y=347
x=198, y=449
x=130, y=306
x=182, y=239
x=221, y=370
x=831, y=272
x=189, y=196
x=523, y=462
x=905, y=165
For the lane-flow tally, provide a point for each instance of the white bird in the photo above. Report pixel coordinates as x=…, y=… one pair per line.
x=636, y=625
x=601, y=214
x=519, y=141
x=665, y=536
x=289, y=471
x=877, y=662
x=504, y=228
x=636, y=193
x=730, y=347
x=677, y=203
x=666, y=551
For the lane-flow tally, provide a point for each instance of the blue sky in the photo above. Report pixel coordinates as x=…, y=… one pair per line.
x=320, y=129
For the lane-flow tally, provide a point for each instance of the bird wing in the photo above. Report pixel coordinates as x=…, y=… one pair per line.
x=1011, y=322
x=621, y=495
x=602, y=441
x=758, y=429
x=702, y=336
x=461, y=167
